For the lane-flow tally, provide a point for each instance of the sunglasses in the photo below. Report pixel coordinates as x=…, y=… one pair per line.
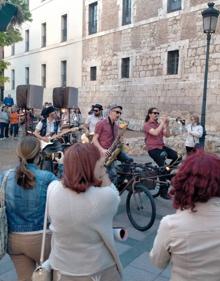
x=155, y=113
x=96, y=110
x=118, y=112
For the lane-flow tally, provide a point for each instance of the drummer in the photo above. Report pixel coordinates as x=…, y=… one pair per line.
x=94, y=118
x=48, y=126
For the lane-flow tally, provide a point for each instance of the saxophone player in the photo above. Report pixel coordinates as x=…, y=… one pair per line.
x=106, y=134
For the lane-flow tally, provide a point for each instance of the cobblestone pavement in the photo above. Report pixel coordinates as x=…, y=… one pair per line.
x=133, y=252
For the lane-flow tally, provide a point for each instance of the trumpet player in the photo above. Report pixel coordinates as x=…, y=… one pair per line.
x=158, y=151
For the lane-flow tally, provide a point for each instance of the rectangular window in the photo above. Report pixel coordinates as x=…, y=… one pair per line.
x=43, y=75
x=63, y=73
x=173, y=5
x=12, y=49
x=93, y=17
x=12, y=79
x=43, y=34
x=27, y=75
x=63, y=28
x=126, y=12
x=125, y=67
x=27, y=40
x=172, y=62
x=93, y=73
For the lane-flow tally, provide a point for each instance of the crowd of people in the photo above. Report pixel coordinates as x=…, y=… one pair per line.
x=82, y=203
x=12, y=118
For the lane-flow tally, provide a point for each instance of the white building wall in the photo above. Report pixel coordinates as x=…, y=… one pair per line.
x=49, y=12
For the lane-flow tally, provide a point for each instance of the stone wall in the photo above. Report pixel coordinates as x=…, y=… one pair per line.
x=135, y=146
x=146, y=41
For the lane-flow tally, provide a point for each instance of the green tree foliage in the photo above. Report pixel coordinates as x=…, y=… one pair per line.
x=13, y=34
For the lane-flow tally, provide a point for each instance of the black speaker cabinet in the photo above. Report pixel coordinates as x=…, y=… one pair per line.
x=29, y=96
x=65, y=97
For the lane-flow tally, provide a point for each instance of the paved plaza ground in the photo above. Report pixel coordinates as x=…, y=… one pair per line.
x=133, y=252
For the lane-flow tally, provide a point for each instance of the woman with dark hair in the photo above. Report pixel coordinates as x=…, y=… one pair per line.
x=190, y=238
x=81, y=210
x=158, y=151
x=76, y=117
x=25, y=196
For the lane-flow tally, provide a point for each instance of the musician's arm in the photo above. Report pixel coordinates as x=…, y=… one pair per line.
x=156, y=132
x=37, y=134
x=97, y=144
x=166, y=131
x=86, y=128
x=86, y=125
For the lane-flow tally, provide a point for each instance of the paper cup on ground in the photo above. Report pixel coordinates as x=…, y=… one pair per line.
x=120, y=233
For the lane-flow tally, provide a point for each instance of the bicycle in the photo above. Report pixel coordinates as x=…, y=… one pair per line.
x=153, y=176
x=140, y=205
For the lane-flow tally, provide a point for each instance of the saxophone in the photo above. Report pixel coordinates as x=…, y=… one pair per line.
x=116, y=147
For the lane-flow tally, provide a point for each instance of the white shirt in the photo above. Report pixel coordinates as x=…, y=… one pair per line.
x=81, y=224
x=91, y=121
x=192, y=139
x=50, y=127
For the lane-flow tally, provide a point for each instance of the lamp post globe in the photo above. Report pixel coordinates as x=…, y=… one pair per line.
x=210, y=18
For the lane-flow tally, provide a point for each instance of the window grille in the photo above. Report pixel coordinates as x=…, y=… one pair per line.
x=126, y=12
x=93, y=73
x=12, y=79
x=43, y=75
x=172, y=62
x=64, y=28
x=93, y=18
x=27, y=75
x=125, y=67
x=63, y=73
x=26, y=40
x=173, y=5
x=44, y=35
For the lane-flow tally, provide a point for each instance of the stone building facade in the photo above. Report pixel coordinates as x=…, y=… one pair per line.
x=162, y=53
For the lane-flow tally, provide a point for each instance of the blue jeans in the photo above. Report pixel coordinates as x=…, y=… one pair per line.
x=111, y=169
x=2, y=130
x=14, y=130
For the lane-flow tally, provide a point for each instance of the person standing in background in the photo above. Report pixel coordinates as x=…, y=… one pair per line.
x=94, y=118
x=4, y=122
x=14, y=122
x=8, y=101
x=76, y=117
x=194, y=133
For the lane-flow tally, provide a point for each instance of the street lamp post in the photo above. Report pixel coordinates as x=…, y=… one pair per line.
x=210, y=18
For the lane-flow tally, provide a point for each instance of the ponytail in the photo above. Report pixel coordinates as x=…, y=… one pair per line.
x=27, y=151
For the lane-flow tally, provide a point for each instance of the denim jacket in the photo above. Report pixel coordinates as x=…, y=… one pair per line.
x=25, y=207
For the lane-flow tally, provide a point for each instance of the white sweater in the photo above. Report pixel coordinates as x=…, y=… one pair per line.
x=194, y=133
x=81, y=223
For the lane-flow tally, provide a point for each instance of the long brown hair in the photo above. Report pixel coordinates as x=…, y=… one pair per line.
x=28, y=149
x=79, y=164
x=150, y=110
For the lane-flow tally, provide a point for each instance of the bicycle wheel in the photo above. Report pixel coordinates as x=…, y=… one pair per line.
x=140, y=207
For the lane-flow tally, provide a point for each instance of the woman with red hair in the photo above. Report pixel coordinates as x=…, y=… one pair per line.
x=81, y=208
x=190, y=238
